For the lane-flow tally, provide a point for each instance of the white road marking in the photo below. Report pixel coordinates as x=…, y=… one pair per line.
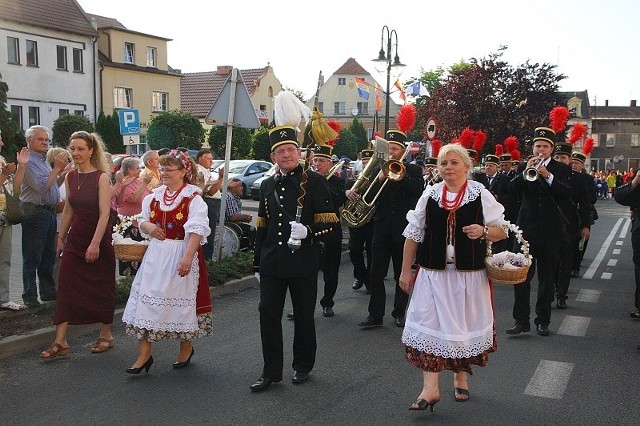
x=619, y=243
x=550, y=379
x=606, y=276
x=612, y=262
x=603, y=251
x=588, y=296
x=574, y=326
x=616, y=251
x=625, y=229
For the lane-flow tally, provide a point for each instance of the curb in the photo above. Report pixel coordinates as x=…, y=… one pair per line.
x=40, y=339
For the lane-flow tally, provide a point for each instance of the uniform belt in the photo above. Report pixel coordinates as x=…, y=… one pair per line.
x=42, y=206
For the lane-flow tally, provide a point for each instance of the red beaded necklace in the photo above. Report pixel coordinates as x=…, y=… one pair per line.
x=455, y=203
x=169, y=199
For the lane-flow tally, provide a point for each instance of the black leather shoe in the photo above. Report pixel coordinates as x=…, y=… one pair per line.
x=290, y=316
x=399, y=321
x=561, y=304
x=542, y=330
x=635, y=314
x=518, y=328
x=327, y=311
x=575, y=274
x=263, y=383
x=371, y=322
x=357, y=284
x=182, y=364
x=299, y=378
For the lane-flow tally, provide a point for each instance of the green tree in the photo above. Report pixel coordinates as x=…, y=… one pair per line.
x=241, y=142
x=173, y=129
x=12, y=136
x=64, y=126
x=108, y=127
x=261, y=144
x=359, y=135
x=346, y=145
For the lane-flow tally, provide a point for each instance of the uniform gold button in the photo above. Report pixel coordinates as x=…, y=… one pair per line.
x=279, y=243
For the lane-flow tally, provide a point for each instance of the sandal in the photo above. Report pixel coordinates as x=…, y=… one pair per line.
x=458, y=392
x=103, y=344
x=55, y=350
x=13, y=306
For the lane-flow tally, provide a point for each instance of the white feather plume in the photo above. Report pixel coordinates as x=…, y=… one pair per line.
x=289, y=110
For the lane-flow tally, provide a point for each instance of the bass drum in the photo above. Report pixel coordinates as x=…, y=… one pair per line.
x=231, y=238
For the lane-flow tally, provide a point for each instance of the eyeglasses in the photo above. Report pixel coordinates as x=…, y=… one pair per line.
x=282, y=151
x=163, y=170
x=41, y=139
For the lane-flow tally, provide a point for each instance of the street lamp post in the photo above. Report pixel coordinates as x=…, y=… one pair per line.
x=386, y=59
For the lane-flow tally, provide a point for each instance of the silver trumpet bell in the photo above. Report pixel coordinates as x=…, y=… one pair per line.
x=531, y=173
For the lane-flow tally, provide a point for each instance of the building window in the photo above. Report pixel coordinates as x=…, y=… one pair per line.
x=342, y=81
x=129, y=50
x=34, y=116
x=634, y=140
x=152, y=57
x=32, y=53
x=611, y=140
x=62, y=57
x=321, y=107
x=13, y=51
x=63, y=111
x=363, y=108
x=79, y=112
x=339, y=108
x=16, y=113
x=160, y=101
x=122, y=97
x=77, y=60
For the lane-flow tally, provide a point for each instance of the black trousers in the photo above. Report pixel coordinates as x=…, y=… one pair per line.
x=213, y=211
x=566, y=263
x=303, y=292
x=386, y=247
x=360, y=239
x=579, y=254
x=635, y=245
x=546, y=259
x=331, y=267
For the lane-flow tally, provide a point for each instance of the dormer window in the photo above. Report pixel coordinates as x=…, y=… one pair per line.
x=129, y=50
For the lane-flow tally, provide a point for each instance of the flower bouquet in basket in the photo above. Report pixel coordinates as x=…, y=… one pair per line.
x=507, y=267
x=127, y=249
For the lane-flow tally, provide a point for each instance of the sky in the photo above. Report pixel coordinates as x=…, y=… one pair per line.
x=594, y=43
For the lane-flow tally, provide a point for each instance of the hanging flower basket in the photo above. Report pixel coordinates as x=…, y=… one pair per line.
x=506, y=267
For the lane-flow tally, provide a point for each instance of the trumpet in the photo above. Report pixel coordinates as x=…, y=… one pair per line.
x=531, y=173
x=334, y=169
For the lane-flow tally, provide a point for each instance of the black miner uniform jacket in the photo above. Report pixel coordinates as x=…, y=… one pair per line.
x=336, y=187
x=278, y=203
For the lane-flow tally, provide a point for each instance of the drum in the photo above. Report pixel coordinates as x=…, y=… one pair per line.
x=231, y=240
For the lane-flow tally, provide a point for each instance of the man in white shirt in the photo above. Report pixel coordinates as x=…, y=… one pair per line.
x=211, y=194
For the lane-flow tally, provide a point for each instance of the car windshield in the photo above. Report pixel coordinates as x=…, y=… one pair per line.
x=237, y=166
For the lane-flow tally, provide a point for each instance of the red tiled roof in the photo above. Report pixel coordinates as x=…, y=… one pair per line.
x=199, y=90
x=351, y=67
x=60, y=15
x=106, y=22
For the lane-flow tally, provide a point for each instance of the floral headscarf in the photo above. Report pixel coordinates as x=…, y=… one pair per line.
x=184, y=160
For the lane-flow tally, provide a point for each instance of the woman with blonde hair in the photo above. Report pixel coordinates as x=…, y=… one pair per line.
x=86, y=290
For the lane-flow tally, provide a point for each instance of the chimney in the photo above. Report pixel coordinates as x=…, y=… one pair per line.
x=224, y=69
x=606, y=102
x=633, y=102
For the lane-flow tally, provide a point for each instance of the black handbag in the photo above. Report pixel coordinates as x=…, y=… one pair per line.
x=14, y=212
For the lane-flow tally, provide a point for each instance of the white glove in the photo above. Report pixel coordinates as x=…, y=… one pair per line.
x=298, y=231
x=257, y=275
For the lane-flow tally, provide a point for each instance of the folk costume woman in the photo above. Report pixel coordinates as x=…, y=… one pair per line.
x=449, y=322
x=169, y=296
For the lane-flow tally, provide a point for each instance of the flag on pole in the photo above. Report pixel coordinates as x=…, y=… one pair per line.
x=363, y=88
x=417, y=89
x=378, y=98
x=403, y=96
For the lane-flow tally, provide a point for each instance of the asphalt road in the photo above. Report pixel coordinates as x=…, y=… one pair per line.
x=586, y=372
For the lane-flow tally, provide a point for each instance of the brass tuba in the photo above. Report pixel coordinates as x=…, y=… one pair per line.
x=357, y=213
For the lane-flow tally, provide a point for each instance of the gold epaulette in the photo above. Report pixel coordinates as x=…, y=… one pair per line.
x=261, y=222
x=325, y=218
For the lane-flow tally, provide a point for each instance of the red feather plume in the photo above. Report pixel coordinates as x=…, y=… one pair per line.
x=511, y=143
x=479, y=140
x=577, y=132
x=406, y=118
x=337, y=128
x=515, y=154
x=435, y=147
x=499, y=149
x=377, y=135
x=466, y=137
x=558, y=118
x=588, y=147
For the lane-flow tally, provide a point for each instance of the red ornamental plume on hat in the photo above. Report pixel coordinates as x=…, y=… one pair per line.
x=499, y=150
x=577, y=132
x=377, y=135
x=337, y=128
x=480, y=138
x=511, y=143
x=466, y=137
x=587, y=147
x=558, y=118
x=515, y=154
x=435, y=147
x=406, y=118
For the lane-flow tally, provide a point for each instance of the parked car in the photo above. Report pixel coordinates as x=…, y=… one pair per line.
x=247, y=171
x=255, y=186
x=117, y=160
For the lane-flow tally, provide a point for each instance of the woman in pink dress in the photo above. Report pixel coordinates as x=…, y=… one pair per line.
x=86, y=289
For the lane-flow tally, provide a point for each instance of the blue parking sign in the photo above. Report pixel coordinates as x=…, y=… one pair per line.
x=129, y=122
